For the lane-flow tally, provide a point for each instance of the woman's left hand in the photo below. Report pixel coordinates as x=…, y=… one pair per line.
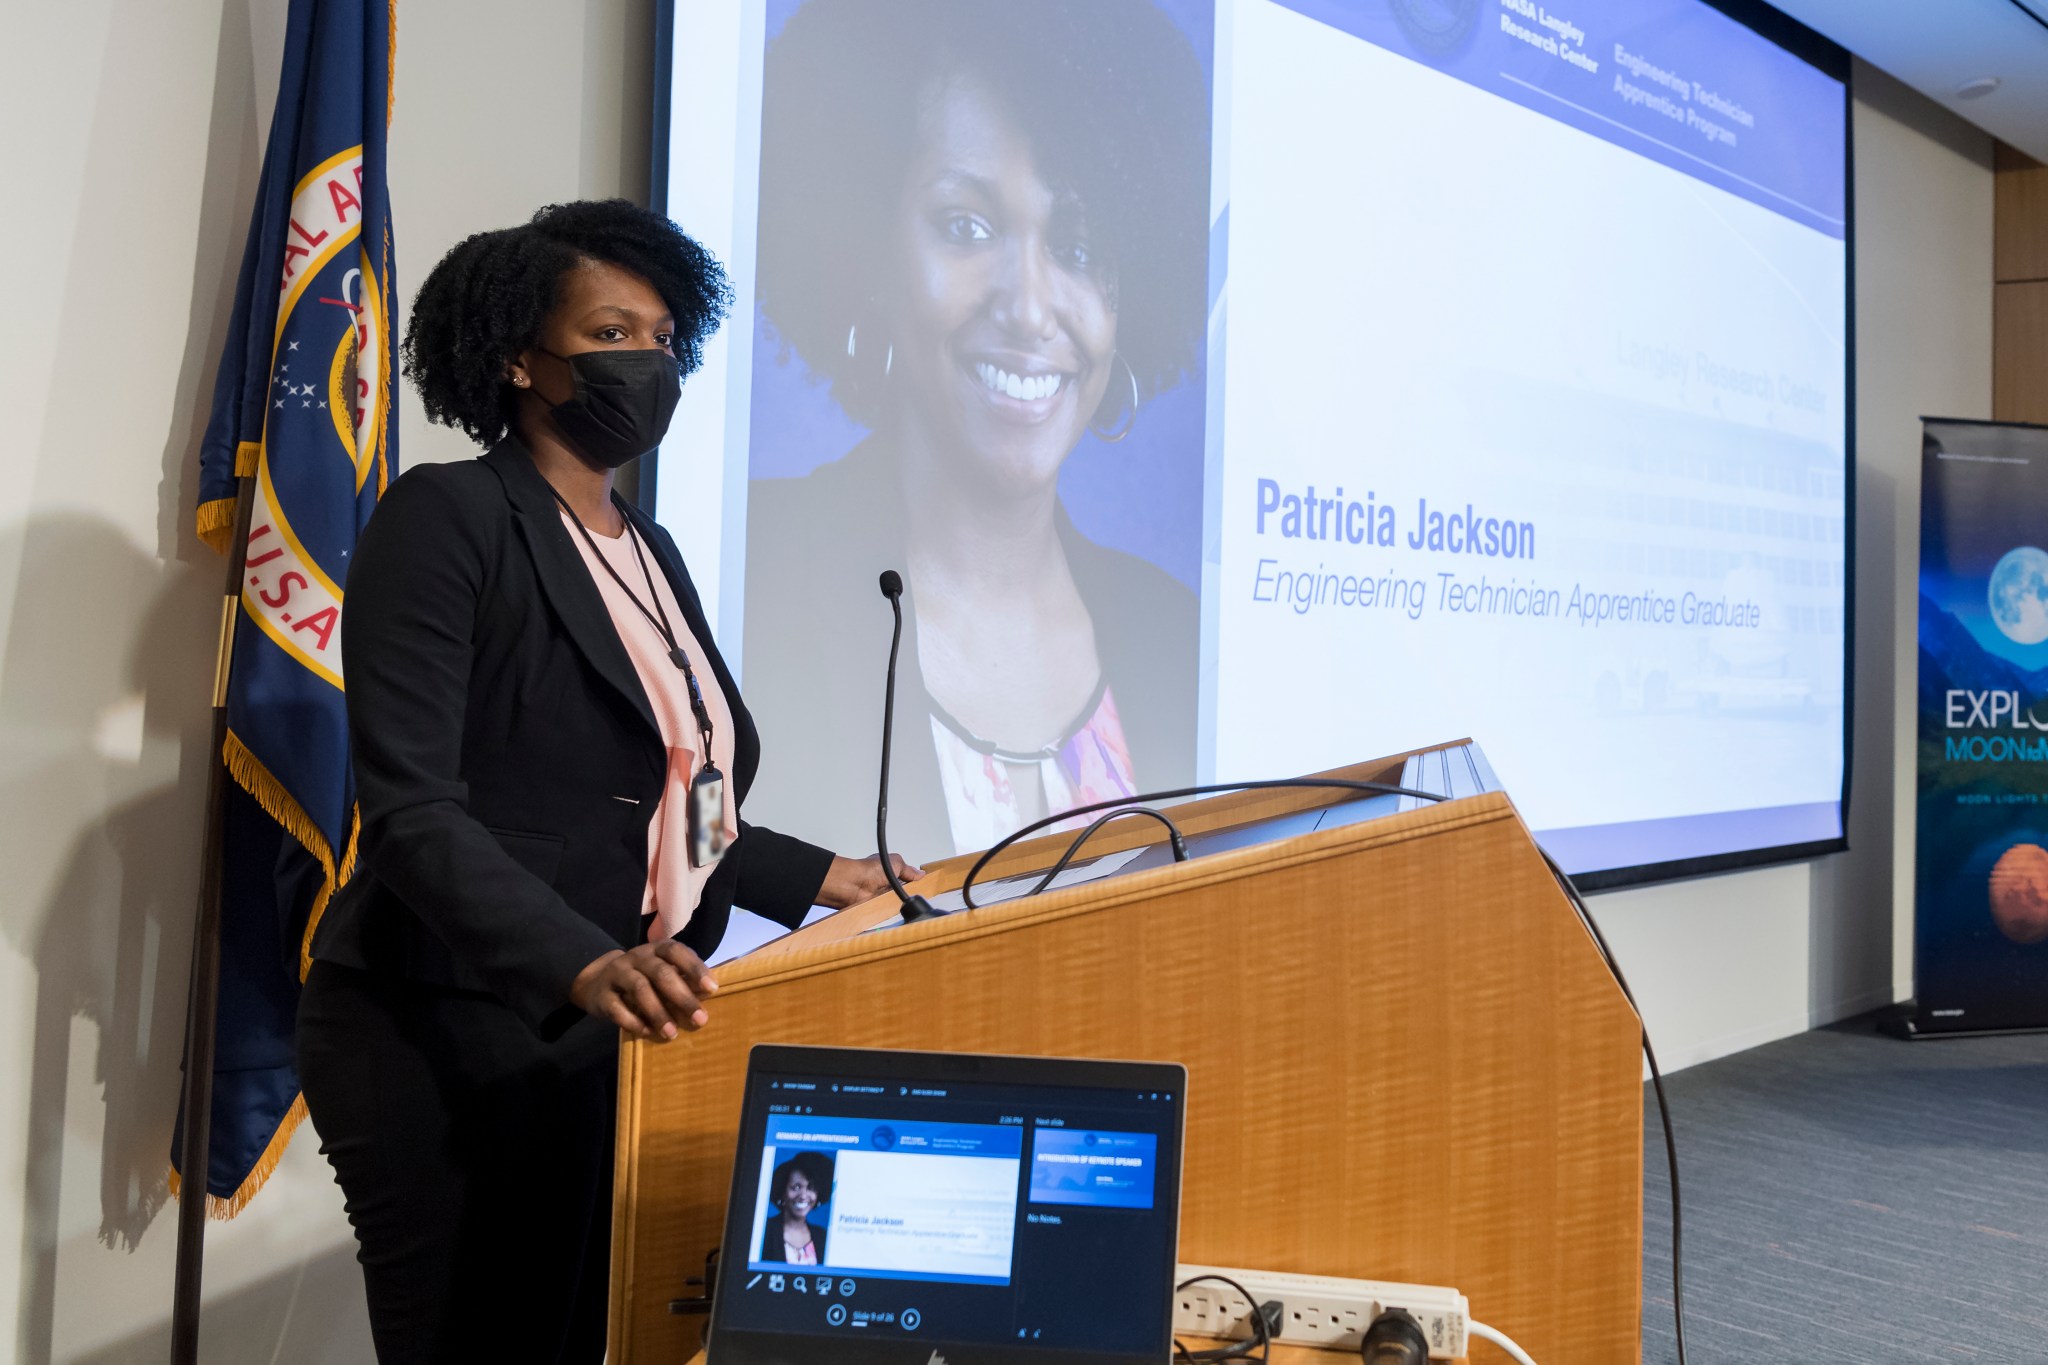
x=853, y=880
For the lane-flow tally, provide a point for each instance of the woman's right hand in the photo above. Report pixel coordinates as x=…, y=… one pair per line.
x=649, y=991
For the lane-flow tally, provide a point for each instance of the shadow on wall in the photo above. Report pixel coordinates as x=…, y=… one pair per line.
x=105, y=687
x=103, y=711
x=262, y=1312
x=103, y=724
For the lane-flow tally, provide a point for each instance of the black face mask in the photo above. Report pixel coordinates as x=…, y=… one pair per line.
x=622, y=405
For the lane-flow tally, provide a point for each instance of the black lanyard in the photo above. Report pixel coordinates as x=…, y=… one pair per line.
x=658, y=618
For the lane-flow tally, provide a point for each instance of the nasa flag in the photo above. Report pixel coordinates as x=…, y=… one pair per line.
x=1981, y=881
x=305, y=406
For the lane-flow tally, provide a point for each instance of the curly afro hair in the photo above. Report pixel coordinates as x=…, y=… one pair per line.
x=1108, y=93
x=488, y=298
x=814, y=1167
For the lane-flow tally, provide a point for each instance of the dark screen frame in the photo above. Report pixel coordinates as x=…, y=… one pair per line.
x=958, y=1068
x=1826, y=56
x=1833, y=60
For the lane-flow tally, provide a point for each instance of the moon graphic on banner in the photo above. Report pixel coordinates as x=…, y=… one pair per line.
x=2018, y=595
x=2019, y=893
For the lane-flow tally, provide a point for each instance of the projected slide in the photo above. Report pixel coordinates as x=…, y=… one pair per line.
x=1245, y=388
x=915, y=1201
x=1093, y=1168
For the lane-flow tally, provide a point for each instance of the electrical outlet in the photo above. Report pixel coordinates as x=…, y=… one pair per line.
x=1321, y=1311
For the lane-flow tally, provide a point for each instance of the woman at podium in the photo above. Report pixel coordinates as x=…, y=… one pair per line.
x=551, y=763
x=984, y=225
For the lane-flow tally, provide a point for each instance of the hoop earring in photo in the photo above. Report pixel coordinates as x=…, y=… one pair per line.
x=1111, y=438
x=853, y=351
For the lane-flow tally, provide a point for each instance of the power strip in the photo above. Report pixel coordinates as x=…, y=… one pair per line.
x=1320, y=1311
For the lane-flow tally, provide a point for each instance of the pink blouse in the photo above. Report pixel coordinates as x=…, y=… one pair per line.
x=673, y=886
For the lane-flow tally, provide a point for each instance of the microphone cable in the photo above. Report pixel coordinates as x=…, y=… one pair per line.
x=1175, y=840
x=1142, y=800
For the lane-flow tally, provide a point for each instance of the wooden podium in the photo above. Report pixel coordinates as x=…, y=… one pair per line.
x=1406, y=1060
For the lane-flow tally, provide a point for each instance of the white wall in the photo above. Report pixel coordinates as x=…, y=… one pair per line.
x=1725, y=963
x=136, y=131
x=503, y=107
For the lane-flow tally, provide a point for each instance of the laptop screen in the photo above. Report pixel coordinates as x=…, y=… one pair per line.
x=896, y=1207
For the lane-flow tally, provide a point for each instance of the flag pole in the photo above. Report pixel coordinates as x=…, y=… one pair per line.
x=203, y=1004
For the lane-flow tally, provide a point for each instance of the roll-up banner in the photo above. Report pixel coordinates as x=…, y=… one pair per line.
x=1981, y=885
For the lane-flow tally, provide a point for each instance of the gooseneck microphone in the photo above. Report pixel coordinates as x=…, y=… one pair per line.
x=914, y=907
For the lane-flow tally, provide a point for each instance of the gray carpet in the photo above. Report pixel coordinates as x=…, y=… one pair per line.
x=1852, y=1199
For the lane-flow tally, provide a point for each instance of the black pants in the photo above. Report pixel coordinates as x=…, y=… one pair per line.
x=476, y=1162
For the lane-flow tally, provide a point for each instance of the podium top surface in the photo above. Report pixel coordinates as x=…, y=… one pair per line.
x=1229, y=822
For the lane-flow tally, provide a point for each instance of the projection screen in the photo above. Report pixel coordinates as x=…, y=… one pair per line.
x=1249, y=387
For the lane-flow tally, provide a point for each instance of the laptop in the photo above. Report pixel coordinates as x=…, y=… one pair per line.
x=923, y=1208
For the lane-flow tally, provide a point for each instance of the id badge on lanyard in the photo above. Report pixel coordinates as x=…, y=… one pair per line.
x=707, y=816
x=705, y=812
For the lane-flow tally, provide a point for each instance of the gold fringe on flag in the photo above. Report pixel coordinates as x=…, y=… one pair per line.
x=384, y=356
x=250, y=774
x=326, y=894
x=259, y=1174
x=216, y=518
x=390, y=64
x=217, y=523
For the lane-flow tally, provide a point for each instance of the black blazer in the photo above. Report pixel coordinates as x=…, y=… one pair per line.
x=771, y=1241
x=506, y=759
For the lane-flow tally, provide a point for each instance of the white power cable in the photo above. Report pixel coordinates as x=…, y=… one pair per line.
x=1500, y=1339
